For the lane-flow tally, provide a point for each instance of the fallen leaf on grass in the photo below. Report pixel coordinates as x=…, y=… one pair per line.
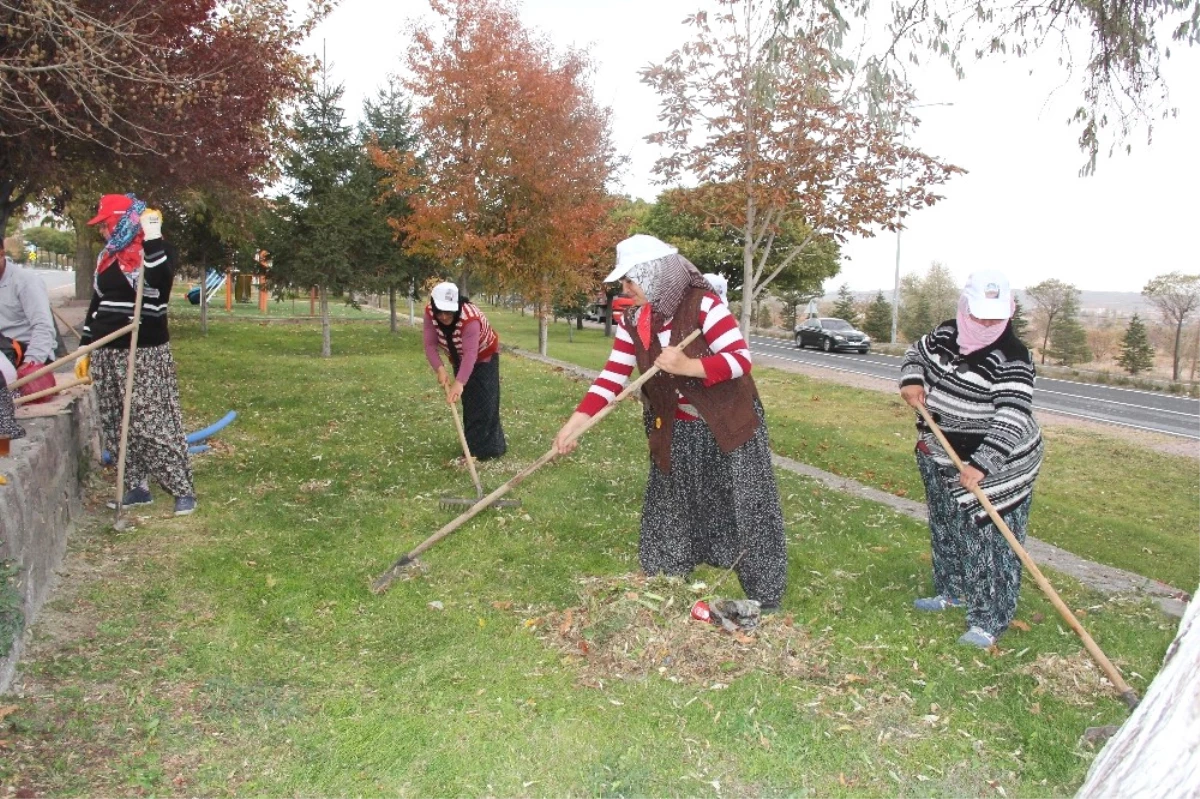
x=8, y=710
x=1080, y=613
x=1020, y=625
x=504, y=605
x=1037, y=618
x=568, y=618
x=1036, y=708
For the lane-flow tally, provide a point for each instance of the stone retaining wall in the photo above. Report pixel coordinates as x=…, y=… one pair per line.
x=43, y=500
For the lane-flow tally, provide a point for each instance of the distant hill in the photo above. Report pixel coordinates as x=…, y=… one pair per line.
x=1122, y=303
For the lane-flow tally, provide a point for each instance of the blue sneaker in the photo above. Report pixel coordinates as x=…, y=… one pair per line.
x=184, y=505
x=133, y=497
x=939, y=602
x=977, y=637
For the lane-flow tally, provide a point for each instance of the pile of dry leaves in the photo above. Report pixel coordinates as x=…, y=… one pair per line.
x=630, y=626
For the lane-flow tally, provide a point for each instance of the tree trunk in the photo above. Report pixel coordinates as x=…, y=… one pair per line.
x=203, y=300
x=326, y=350
x=1155, y=751
x=392, y=309
x=85, y=258
x=579, y=322
x=1178, y=344
x=543, y=332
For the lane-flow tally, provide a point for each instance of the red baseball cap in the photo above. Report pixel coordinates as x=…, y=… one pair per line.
x=111, y=205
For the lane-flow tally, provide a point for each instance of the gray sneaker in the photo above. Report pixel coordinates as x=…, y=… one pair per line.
x=133, y=497
x=184, y=505
x=977, y=637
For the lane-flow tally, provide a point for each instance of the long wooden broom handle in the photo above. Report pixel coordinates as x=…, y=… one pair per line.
x=86, y=348
x=123, y=447
x=384, y=580
x=462, y=439
x=74, y=381
x=1127, y=694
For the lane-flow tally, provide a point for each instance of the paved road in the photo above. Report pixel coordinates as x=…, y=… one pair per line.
x=55, y=278
x=1142, y=410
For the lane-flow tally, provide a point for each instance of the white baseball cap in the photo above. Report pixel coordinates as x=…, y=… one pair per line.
x=637, y=250
x=988, y=295
x=445, y=297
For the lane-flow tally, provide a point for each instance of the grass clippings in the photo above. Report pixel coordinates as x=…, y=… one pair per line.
x=631, y=627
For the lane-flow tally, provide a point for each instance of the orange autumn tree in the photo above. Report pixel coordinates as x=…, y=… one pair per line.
x=515, y=156
x=759, y=112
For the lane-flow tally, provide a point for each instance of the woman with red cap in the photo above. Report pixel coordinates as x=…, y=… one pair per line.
x=458, y=328
x=157, y=445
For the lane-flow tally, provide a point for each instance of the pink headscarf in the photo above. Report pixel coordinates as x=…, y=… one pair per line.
x=973, y=335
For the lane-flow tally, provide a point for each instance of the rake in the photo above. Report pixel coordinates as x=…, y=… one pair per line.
x=384, y=580
x=1126, y=693
x=451, y=502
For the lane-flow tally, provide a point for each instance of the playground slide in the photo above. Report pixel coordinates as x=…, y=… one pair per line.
x=213, y=281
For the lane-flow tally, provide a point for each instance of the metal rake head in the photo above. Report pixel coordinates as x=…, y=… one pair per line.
x=458, y=502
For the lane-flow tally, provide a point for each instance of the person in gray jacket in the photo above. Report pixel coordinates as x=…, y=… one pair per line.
x=26, y=320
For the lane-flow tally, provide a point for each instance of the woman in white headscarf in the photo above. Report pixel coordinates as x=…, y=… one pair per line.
x=711, y=495
x=975, y=378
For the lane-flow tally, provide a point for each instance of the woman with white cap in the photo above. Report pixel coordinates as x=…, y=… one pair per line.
x=711, y=495
x=458, y=328
x=975, y=378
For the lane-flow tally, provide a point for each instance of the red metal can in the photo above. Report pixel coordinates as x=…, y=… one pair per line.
x=700, y=611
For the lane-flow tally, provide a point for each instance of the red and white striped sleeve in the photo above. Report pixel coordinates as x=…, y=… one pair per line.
x=731, y=354
x=615, y=376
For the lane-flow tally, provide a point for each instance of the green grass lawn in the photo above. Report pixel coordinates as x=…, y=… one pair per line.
x=239, y=652
x=1090, y=499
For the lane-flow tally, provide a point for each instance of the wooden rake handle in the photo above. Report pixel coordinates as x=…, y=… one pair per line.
x=86, y=348
x=384, y=580
x=1127, y=694
x=462, y=439
x=74, y=381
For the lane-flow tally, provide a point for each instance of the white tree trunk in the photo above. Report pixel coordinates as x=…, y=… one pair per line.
x=1156, y=753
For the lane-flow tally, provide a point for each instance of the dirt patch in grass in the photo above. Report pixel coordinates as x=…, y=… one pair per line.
x=630, y=626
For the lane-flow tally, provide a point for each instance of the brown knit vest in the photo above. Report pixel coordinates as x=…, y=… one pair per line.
x=727, y=407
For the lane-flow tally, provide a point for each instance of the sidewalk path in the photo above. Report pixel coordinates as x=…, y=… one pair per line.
x=1096, y=576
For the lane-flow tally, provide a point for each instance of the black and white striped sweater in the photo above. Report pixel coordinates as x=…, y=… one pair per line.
x=113, y=296
x=983, y=402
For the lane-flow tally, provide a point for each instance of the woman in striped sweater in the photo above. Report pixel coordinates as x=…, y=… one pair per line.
x=458, y=328
x=975, y=377
x=711, y=495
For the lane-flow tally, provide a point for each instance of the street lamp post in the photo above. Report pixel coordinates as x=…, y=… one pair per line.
x=896, y=285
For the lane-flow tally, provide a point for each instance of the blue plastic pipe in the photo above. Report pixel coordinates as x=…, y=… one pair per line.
x=192, y=438
x=200, y=435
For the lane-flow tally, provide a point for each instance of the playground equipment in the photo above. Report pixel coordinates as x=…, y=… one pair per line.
x=214, y=279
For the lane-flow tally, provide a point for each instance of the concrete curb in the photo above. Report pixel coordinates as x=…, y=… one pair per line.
x=41, y=504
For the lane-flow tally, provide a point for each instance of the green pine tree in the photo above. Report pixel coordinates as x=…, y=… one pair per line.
x=877, y=322
x=313, y=229
x=844, y=307
x=1068, y=339
x=388, y=268
x=1137, y=354
x=1020, y=324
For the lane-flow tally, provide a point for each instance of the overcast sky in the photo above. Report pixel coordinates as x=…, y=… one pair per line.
x=1022, y=206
